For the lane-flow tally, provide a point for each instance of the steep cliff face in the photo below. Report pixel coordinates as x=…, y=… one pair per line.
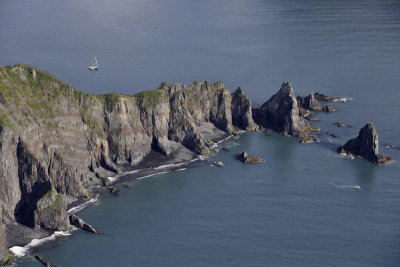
x=54, y=139
x=365, y=145
x=281, y=112
x=241, y=111
x=3, y=248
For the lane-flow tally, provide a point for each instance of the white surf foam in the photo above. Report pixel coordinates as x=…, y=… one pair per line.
x=344, y=99
x=82, y=206
x=22, y=251
x=176, y=164
x=150, y=175
x=346, y=186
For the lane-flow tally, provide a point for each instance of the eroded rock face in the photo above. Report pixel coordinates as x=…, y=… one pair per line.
x=51, y=212
x=281, y=112
x=365, y=145
x=241, y=111
x=55, y=137
x=3, y=248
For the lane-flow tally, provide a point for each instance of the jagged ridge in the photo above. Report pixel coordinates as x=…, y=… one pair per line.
x=54, y=139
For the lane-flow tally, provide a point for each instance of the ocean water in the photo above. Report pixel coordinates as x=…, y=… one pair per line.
x=305, y=206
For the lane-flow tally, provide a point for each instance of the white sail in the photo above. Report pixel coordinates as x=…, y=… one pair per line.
x=95, y=65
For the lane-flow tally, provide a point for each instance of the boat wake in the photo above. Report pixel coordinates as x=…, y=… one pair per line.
x=357, y=187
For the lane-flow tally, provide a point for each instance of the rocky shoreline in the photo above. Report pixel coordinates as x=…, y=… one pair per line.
x=59, y=145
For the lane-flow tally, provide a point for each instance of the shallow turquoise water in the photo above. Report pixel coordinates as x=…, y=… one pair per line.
x=284, y=212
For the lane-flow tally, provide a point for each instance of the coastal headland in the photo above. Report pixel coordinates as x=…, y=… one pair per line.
x=59, y=145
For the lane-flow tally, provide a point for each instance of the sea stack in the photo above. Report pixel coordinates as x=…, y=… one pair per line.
x=241, y=111
x=281, y=112
x=365, y=145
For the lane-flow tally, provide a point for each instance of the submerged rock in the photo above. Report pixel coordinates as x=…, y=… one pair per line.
x=365, y=145
x=331, y=134
x=249, y=159
x=218, y=164
x=113, y=191
x=305, y=139
x=81, y=224
x=43, y=261
x=341, y=124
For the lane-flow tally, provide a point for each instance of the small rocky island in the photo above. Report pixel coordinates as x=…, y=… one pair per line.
x=249, y=159
x=58, y=143
x=365, y=145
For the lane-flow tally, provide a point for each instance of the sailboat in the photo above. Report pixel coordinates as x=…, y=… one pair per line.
x=94, y=65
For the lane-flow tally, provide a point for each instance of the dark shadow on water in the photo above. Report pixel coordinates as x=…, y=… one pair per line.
x=365, y=173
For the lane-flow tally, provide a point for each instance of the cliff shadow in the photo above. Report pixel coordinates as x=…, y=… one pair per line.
x=33, y=183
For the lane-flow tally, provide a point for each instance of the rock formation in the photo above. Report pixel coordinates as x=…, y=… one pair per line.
x=3, y=247
x=325, y=98
x=43, y=261
x=341, y=124
x=241, y=111
x=281, y=112
x=311, y=103
x=249, y=159
x=81, y=224
x=218, y=164
x=365, y=145
x=56, y=140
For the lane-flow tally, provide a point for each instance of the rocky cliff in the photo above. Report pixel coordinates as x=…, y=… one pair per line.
x=282, y=114
x=241, y=111
x=365, y=145
x=55, y=140
x=3, y=248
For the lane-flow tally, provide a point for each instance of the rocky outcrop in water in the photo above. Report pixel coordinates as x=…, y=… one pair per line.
x=325, y=98
x=365, y=145
x=241, y=111
x=311, y=103
x=249, y=159
x=43, y=261
x=281, y=112
x=81, y=224
x=342, y=124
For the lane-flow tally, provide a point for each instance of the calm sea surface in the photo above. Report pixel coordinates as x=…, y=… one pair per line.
x=291, y=210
